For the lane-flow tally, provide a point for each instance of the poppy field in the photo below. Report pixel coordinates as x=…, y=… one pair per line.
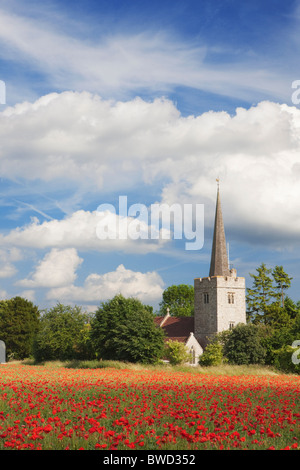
x=110, y=409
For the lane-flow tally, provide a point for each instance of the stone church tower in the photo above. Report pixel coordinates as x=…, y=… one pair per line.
x=220, y=301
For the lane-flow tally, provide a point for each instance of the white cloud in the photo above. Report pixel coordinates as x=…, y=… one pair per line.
x=117, y=63
x=7, y=258
x=28, y=294
x=82, y=138
x=81, y=230
x=57, y=268
x=256, y=155
x=7, y=270
x=116, y=146
x=4, y=295
x=147, y=287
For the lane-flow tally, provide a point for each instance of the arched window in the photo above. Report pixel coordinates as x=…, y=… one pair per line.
x=192, y=355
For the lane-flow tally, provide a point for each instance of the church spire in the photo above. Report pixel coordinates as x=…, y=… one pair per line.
x=219, y=259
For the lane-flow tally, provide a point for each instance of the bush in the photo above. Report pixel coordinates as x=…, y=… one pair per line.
x=124, y=330
x=19, y=322
x=244, y=345
x=287, y=359
x=176, y=353
x=63, y=335
x=212, y=355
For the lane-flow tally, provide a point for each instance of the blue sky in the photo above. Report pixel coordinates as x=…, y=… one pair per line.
x=153, y=101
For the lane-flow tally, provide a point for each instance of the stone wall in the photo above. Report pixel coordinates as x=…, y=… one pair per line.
x=224, y=307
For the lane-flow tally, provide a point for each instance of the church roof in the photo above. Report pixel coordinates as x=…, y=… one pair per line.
x=176, y=328
x=219, y=259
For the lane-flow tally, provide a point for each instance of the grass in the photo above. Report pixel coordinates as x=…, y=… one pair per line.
x=220, y=370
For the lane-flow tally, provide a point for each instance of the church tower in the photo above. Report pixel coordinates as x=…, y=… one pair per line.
x=220, y=301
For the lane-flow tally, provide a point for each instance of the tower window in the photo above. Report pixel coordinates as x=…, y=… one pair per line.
x=206, y=298
x=231, y=325
x=230, y=298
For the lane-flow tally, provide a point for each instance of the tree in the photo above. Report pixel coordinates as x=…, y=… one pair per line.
x=261, y=293
x=19, y=323
x=63, y=334
x=291, y=307
x=124, y=329
x=277, y=316
x=244, y=345
x=282, y=280
x=265, y=302
x=179, y=299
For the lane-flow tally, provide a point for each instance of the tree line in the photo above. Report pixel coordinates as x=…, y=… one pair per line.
x=124, y=329
x=271, y=335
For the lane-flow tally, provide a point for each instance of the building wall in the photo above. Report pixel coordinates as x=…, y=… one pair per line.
x=224, y=308
x=194, y=349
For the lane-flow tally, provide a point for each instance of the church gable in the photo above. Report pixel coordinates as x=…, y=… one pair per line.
x=176, y=328
x=181, y=329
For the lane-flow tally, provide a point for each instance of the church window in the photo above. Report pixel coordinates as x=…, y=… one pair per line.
x=206, y=298
x=231, y=325
x=230, y=298
x=192, y=356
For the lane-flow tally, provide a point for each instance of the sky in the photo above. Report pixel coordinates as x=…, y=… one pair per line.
x=115, y=108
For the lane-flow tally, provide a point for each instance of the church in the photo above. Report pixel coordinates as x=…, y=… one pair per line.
x=219, y=302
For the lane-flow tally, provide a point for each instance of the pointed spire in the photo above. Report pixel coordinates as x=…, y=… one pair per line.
x=219, y=259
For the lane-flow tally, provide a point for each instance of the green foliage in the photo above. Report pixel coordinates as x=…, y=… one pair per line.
x=212, y=355
x=179, y=299
x=279, y=338
x=176, y=353
x=124, y=330
x=19, y=322
x=287, y=358
x=266, y=302
x=63, y=335
x=292, y=308
x=261, y=293
x=277, y=316
x=244, y=345
x=282, y=281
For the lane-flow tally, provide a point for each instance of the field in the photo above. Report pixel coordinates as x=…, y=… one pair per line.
x=58, y=408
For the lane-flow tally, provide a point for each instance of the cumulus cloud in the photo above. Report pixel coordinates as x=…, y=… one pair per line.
x=256, y=154
x=147, y=287
x=7, y=258
x=3, y=294
x=80, y=137
x=85, y=230
x=57, y=268
x=116, y=146
x=28, y=294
